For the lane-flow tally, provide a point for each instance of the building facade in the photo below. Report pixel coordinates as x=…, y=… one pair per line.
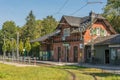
x=107, y=50
x=68, y=42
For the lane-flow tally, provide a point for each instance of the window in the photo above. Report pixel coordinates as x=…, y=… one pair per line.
x=59, y=53
x=93, y=31
x=66, y=32
x=113, y=54
x=118, y=53
x=105, y=33
x=89, y=54
x=98, y=31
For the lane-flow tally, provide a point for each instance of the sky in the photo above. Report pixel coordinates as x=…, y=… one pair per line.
x=18, y=10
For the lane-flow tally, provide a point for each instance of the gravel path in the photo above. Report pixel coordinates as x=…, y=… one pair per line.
x=17, y=64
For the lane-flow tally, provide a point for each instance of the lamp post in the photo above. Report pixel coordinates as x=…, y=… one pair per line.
x=81, y=30
x=92, y=35
x=12, y=50
x=18, y=46
x=4, y=49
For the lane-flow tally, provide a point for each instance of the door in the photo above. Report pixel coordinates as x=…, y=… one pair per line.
x=107, y=57
x=66, y=54
x=59, y=53
x=48, y=52
x=75, y=54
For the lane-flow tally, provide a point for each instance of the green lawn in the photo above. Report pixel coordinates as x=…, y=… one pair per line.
x=8, y=72
x=83, y=73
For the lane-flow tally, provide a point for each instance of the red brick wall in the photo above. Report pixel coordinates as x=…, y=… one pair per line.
x=87, y=36
x=71, y=52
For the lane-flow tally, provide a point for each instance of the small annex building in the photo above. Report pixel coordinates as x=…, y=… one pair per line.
x=107, y=50
x=70, y=41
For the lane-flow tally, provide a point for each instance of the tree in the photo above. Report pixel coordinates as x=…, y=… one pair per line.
x=21, y=47
x=49, y=24
x=9, y=29
x=8, y=46
x=112, y=13
x=30, y=27
x=39, y=28
x=14, y=46
x=35, y=48
x=27, y=45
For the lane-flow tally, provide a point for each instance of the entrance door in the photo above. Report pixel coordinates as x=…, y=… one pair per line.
x=75, y=54
x=59, y=53
x=106, y=56
x=66, y=54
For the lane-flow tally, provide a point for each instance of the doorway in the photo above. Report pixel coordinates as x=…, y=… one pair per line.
x=107, y=57
x=59, y=53
x=67, y=54
x=75, y=49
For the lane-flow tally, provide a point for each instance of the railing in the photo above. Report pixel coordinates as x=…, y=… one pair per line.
x=68, y=39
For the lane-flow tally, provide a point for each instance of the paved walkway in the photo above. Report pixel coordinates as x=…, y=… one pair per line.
x=107, y=67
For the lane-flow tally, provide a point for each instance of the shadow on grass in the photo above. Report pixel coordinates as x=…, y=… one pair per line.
x=73, y=67
x=105, y=74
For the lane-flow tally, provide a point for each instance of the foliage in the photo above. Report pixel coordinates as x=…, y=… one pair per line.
x=4, y=49
x=8, y=45
x=21, y=47
x=49, y=24
x=29, y=28
x=27, y=45
x=35, y=48
x=9, y=29
x=32, y=29
x=112, y=13
x=39, y=28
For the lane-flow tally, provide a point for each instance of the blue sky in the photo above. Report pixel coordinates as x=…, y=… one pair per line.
x=17, y=10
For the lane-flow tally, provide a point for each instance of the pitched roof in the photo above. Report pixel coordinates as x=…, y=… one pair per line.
x=106, y=40
x=82, y=22
x=77, y=21
x=73, y=21
x=45, y=36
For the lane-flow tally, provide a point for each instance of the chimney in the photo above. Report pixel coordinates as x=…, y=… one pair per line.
x=92, y=15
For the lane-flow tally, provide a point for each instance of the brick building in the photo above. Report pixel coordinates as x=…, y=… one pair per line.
x=68, y=42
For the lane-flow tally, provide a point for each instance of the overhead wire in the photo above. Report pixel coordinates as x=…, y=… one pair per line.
x=60, y=9
x=85, y=6
x=79, y=9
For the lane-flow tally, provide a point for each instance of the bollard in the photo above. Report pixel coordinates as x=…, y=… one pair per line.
x=34, y=61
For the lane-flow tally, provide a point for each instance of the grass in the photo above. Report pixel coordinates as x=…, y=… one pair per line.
x=8, y=72
x=83, y=73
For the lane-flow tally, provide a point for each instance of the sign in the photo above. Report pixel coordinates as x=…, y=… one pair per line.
x=81, y=46
x=65, y=44
x=63, y=38
x=114, y=45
